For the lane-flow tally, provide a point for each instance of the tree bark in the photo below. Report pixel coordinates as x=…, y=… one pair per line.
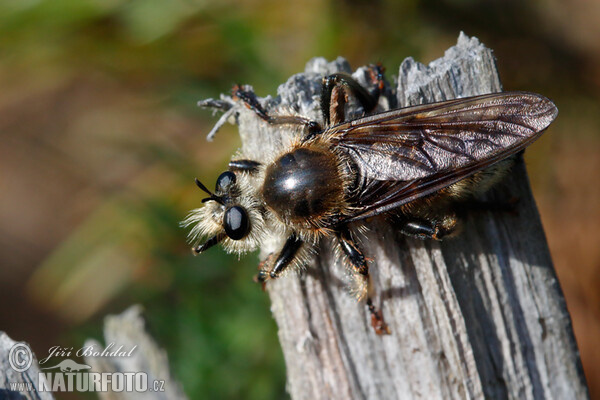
x=481, y=315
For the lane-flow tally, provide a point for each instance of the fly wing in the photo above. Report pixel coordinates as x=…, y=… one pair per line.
x=411, y=152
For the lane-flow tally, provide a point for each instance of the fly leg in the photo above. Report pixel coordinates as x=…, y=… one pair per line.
x=423, y=228
x=333, y=100
x=249, y=98
x=333, y=96
x=284, y=259
x=357, y=259
x=249, y=166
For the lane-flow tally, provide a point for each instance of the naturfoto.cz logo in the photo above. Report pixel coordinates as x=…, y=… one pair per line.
x=70, y=376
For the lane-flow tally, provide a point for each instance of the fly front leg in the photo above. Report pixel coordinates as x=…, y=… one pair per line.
x=249, y=166
x=358, y=261
x=286, y=257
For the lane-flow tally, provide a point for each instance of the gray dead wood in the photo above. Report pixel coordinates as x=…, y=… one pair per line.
x=126, y=330
x=17, y=384
x=478, y=316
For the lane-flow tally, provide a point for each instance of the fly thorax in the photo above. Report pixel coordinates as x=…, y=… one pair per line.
x=304, y=186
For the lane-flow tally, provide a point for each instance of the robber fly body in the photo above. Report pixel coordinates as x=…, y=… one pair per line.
x=415, y=163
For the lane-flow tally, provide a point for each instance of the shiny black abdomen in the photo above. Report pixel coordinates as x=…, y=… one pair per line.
x=303, y=184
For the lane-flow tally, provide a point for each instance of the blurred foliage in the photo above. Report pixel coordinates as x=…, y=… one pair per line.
x=98, y=109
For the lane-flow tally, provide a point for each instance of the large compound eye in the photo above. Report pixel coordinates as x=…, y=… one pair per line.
x=236, y=222
x=224, y=182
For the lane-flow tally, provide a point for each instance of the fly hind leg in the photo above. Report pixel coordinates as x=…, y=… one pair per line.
x=358, y=262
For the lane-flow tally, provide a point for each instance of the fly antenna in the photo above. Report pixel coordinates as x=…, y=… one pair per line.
x=201, y=186
x=212, y=196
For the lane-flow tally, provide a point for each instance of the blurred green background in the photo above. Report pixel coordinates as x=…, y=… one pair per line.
x=101, y=141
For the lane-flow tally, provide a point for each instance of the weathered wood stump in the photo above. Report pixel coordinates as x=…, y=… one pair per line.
x=481, y=315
